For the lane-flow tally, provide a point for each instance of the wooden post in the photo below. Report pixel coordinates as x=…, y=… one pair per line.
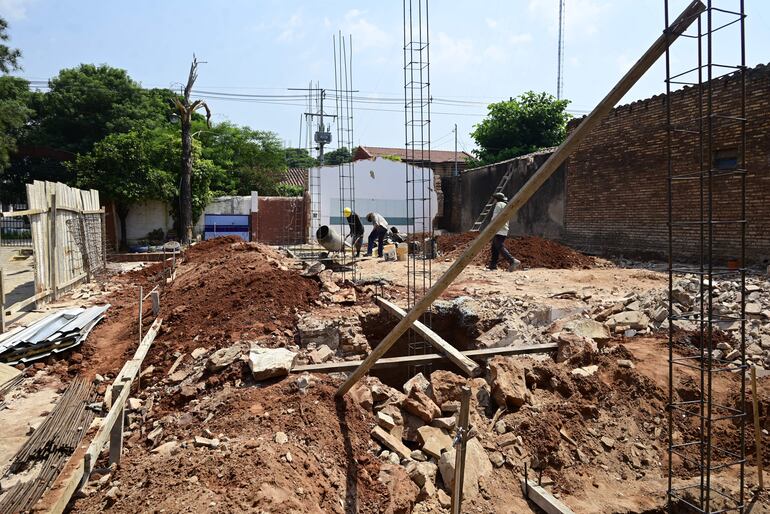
x=52, y=260
x=460, y=444
x=86, y=258
x=757, y=429
x=548, y=168
x=2, y=300
x=141, y=304
x=116, y=432
x=155, y=297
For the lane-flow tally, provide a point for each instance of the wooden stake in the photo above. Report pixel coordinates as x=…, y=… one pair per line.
x=757, y=430
x=155, y=297
x=548, y=168
x=52, y=249
x=2, y=300
x=460, y=446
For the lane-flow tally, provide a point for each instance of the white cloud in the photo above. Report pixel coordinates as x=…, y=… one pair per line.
x=495, y=53
x=14, y=10
x=365, y=33
x=520, y=39
x=448, y=50
x=491, y=23
x=292, y=28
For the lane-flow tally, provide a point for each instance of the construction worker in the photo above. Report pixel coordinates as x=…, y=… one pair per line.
x=356, y=230
x=498, y=241
x=395, y=236
x=380, y=228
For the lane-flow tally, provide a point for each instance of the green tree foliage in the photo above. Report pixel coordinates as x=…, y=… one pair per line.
x=519, y=126
x=299, y=158
x=14, y=113
x=88, y=103
x=288, y=190
x=338, y=156
x=123, y=168
x=9, y=57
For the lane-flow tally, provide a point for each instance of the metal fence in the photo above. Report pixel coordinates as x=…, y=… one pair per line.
x=15, y=231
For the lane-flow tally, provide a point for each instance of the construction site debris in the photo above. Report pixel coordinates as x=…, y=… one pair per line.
x=53, y=334
x=267, y=363
x=509, y=388
x=533, y=252
x=420, y=404
x=477, y=466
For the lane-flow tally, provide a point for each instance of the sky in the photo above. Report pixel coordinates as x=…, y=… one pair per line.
x=480, y=52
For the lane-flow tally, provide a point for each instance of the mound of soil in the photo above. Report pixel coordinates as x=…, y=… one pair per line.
x=324, y=466
x=533, y=252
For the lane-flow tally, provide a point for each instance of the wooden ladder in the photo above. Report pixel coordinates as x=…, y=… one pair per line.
x=491, y=203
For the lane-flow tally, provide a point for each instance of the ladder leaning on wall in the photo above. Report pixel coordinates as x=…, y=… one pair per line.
x=491, y=203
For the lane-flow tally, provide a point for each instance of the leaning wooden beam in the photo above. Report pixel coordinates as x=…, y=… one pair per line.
x=556, y=159
x=439, y=343
x=543, y=499
x=428, y=358
x=78, y=468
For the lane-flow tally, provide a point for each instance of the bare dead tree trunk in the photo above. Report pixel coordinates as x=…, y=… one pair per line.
x=186, y=110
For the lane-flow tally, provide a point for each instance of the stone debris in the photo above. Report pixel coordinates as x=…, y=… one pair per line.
x=586, y=371
x=509, y=386
x=267, y=363
x=206, y=442
x=198, y=353
x=420, y=405
x=385, y=421
x=281, y=438
x=477, y=465
x=223, y=357
x=321, y=354
x=391, y=442
x=434, y=441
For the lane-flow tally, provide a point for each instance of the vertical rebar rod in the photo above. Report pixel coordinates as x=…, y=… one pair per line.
x=710, y=261
x=742, y=264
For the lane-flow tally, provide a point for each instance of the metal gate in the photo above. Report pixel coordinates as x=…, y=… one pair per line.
x=15, y=230
x=216, y=225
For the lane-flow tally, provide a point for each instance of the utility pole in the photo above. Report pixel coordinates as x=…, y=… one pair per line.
x=560, y=57
x=456, y=172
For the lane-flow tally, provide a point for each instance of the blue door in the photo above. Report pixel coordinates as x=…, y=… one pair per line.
x=217, y=225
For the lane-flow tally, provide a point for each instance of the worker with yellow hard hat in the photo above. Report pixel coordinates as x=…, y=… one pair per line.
x=356, y=230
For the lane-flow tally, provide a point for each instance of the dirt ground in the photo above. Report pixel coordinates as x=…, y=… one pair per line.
x=599, y=439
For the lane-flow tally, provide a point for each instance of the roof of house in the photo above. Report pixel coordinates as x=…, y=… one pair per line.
x=436, y=156
x=295, y=177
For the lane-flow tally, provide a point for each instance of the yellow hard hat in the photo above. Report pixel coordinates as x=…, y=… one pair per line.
x=347, y=212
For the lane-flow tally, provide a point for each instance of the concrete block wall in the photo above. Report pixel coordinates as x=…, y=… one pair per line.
x=281, y=220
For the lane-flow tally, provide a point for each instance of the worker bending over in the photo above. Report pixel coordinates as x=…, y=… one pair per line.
x=356, y=230
x=379, y=230
x=498, y=241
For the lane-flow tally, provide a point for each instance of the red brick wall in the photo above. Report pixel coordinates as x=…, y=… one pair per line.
x=281, y=220
x=617, y=180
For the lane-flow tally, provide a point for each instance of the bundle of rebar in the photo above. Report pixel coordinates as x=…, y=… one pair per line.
x=50, y=446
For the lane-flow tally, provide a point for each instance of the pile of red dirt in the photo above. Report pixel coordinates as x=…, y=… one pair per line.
x=323, y=465
x=533, y=252
x=229, y=292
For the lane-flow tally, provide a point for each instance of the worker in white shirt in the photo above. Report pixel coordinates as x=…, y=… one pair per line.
x=498, y=241
x=379, y=230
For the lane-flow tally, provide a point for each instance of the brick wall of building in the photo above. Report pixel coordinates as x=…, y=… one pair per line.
x=616, y=198
x=281, y=220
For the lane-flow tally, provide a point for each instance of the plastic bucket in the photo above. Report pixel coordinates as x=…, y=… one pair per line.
x=389, y=252
x=401, y=252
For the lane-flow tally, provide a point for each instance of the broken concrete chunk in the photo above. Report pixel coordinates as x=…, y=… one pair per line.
x=477, y=465
x=198, y=353
x=608, y=442
x=422, y=472
x=321, y=354
x=223, y=357
x=420, y=382
x=281, y=438
x=625, y=363
x=206, y=442
x=509, y=387
x=361, y=395
x=434, y=441
x=445, y=423
x=385, y=421
x=420, y=404
x=165, y=449
x=318, y=332
x=270, y=362
x=631, y=319
x=753, y=308
x=390, y=442
x=154, y=436
x=589, y=329
x=134, y=404
x=572, y=344
x=446, y=386
x=497, y=459
x=586, y=371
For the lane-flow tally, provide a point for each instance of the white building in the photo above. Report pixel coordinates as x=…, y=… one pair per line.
x=380, y=186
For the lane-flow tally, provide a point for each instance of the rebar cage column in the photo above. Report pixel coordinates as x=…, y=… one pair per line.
x=417, y=159
x=703, y=125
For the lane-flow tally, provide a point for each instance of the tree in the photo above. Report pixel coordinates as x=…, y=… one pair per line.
x=86, y=104
x=186, y=109
x=124, y=169
x=338, y=156
x=299, y=158
x=519, y=126
x=9, y=57
x=14, y=113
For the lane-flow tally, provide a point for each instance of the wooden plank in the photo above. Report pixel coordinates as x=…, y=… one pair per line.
x=521, y=197
x=7, y=373
x=65, y=486
x=2, y=301
x=18, y=306
x=430, y=358
x=543, y=499
x=25, y=212
x=439, y=343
